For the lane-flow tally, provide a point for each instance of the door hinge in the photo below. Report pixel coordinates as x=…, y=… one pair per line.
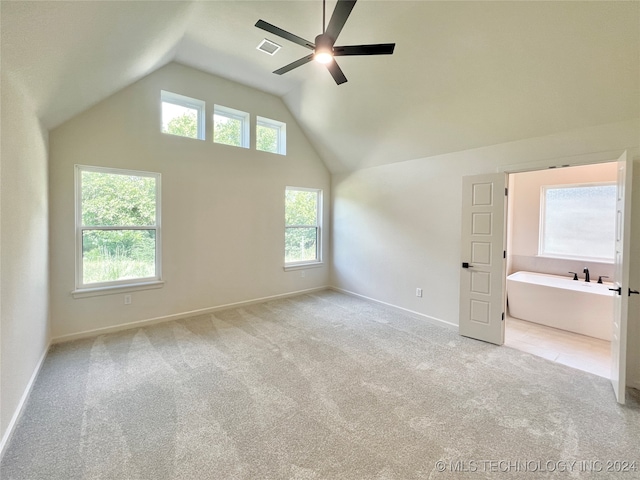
x=506, y=191
x=504, y=254
x=503, y=316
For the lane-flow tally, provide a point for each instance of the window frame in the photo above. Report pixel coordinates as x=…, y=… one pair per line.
x=541, y=227
x=187, y=102
x=149, y=282
x=280, y=127
x=232, y=113
x=318, y=226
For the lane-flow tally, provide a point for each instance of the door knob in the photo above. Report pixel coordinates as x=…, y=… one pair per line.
x=619, y=290
x=466, y=265
x=632, y=292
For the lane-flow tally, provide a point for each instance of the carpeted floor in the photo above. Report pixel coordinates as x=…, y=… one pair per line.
x=321, y=386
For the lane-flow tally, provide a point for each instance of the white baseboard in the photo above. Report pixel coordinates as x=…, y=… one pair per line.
x=177, y=316
x=634, y=384
x=23, y=400
x=432, y=320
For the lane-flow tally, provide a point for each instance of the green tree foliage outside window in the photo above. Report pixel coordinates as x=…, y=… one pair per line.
x=185, y=125
x=113, y=200
x=227, y=130
x=301, y=225
x=179, y=119
x=267, y=139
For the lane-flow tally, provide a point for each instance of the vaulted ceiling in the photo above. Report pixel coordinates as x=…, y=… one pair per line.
x=463, y=75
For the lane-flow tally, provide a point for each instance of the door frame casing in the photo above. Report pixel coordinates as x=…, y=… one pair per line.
x=608, y=156
x=621, y=277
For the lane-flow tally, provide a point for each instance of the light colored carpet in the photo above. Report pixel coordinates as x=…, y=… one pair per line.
x=318, y=386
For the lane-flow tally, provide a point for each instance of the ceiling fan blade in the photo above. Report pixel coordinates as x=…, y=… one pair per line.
x=284, y=34
x=296, y=64
x=339, y=17
x=378, y=49
x=336, y=72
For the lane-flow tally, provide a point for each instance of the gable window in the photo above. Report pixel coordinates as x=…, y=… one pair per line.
x=230, y=126
x=117, y=227
x=303, y=211
x=183, y=116
x=271, y=136
x=578, y=221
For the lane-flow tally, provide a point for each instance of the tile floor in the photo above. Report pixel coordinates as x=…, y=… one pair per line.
x=578, y=351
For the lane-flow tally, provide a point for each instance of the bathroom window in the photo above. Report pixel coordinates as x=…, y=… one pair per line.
x=578, y=221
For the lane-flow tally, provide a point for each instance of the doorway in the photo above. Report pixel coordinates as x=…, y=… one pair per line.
x=562, y=220
x=483, y=303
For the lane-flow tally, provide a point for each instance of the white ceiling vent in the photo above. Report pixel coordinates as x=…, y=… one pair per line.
x=267, y=46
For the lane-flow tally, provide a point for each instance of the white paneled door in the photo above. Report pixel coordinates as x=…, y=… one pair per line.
x=482, y=276
x=621, y=278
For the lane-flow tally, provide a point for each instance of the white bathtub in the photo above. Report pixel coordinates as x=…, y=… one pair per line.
x=560, y=302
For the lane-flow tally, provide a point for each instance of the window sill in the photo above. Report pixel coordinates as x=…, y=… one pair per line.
x=302, y=266
x=112, y=290
x=272, y=153
x=577, y=259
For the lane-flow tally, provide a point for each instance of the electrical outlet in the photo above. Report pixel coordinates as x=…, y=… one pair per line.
x=302, y=274
x=418, y=292
x=127, y=299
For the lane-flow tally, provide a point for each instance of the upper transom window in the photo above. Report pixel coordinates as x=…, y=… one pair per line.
x=271, y=136
x=230, y=126
x=182, y=115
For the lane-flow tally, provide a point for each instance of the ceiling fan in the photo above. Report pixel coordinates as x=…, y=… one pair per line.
x=324, y=49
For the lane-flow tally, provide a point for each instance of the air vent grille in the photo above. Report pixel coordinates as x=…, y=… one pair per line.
x=267, y=46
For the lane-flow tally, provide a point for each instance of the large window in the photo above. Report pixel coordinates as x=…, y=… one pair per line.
x=578, y=221
x=230, y=126
x=303, y=207
x=117, y=227
x=183, y=116
x=271, y=136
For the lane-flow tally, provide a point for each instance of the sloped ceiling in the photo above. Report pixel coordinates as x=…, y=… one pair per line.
x=464, y=74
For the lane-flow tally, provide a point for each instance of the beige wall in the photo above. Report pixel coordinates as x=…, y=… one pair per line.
x=222, y=206
x=524, y=218
x=24, y=292
x=397, y=227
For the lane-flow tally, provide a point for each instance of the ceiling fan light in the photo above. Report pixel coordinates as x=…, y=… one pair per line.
x=323, y=57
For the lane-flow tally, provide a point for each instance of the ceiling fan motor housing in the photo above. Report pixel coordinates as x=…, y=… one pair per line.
x=323, y=53
x=324, y=43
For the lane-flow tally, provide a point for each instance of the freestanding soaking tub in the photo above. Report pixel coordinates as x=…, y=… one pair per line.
x=560, y=302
